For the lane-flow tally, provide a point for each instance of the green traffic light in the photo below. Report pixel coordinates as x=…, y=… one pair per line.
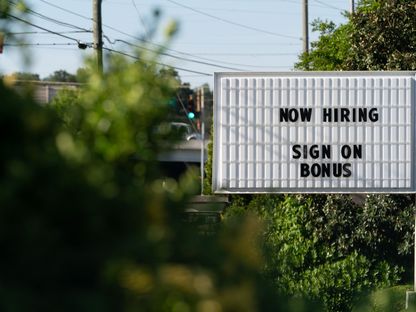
x=191, y=115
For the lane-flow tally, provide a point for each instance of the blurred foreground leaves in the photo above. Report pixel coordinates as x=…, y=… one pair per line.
x=89, y=222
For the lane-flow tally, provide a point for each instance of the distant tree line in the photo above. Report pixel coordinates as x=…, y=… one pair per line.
x=57, y=76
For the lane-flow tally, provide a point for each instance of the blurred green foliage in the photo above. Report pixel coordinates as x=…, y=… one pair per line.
x=81, y=206
x=88, y=220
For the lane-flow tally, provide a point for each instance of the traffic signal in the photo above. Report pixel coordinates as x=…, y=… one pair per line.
x=191, y=107
x=191, y=115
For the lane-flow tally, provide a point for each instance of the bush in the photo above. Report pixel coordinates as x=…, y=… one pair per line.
x=313, y=246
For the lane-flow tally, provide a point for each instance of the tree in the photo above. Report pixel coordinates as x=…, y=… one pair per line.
x=330, y=51
x=314, y=247
x=24, y=76
x=381, y=35
x=61, y=76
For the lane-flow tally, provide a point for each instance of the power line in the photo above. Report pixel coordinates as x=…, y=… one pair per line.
x=66, y=10
x=45, y=32
x=42, y=28
x=179, y=57
x=140, y=18
x=158, y=63
x=40, y=44
x=49, y=48
x=234, y=10
x=154, y=44
x=329, y=5
x=241, y=43
x=164, y=53
x=55, y=21
x=246, y=54
x=110, y=50
x=50, y=19
x=170, y=55
x=205, y=63
x=209, y=64
x=232, y=63
x=233, y=23
x=203, y=58
x=105, y=25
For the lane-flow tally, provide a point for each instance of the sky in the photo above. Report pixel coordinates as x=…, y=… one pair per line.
x=213, y=36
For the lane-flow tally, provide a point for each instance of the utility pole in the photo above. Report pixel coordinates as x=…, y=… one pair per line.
x=1, y=42
x=352, y=6
x=98, y=33
x=305, y=26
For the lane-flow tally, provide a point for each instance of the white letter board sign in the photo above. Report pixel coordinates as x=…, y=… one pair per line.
x=314, y=132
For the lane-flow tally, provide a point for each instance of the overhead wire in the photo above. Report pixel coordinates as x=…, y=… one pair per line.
x=196, y=56
x=65, y=10
x=163, y=53
x=234, y=23
x=245, y=54
x=179, y=57
x=40, y=44
x=158, y=63
x=297, y=2
x=230, y=63
x=42, y=28
x=329, y=5
x=148, y=41
x=140, y=39
x=45, y=32
x=78, y=41
x=50, y=19
x=140, y=18
x=55, y=21
x=49, y=48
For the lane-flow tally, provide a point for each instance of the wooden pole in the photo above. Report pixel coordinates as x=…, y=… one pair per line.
x=98, y=33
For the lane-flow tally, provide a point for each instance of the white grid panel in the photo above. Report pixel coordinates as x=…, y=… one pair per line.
x=254, y=149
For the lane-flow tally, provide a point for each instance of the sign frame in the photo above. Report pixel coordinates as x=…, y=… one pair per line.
x=216, y=185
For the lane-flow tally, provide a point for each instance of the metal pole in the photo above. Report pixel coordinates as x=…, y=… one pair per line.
x=202, y=117
x=414, y=264
x=305, y=26
x=98, y=33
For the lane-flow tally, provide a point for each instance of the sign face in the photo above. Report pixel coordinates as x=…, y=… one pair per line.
x=314, y=132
